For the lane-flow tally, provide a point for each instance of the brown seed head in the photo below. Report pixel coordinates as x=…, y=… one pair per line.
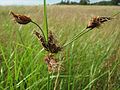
x=42, y=40
x=52, y=63
x=93, y=23
x=51, y=46
x=104, y=19
x=21, y=19
x=97, y=21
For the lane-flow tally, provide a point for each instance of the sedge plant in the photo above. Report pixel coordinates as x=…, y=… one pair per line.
x=48, y=42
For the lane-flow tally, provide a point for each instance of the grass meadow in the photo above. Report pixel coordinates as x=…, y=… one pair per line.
x=92, y=62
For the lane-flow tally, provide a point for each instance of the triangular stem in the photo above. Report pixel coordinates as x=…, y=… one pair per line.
x=76, y=37
x=39, y=28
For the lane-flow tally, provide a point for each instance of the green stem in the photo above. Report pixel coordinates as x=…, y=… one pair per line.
x=57, y=77
x=77, y=36
x=48, y=82
x=79, y=33
x=45, y=21
x=115, y=14
x=39, y=28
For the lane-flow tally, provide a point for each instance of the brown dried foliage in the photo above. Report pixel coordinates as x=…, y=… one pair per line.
x=97, y=21
x=51, y=46
x=21, y=19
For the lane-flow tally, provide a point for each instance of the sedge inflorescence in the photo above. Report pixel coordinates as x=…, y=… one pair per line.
x=21, y=19
x=97, y=21
x=51, y=46
x=52, y=63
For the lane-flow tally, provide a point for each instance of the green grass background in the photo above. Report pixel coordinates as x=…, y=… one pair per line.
x=91, y=63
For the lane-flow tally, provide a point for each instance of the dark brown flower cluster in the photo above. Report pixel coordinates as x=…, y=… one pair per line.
x=53, y=65
x=21, y=19
x=97, y=21
x=51, y=46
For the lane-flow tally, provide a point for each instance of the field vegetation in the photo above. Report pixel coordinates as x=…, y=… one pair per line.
x=92, y=62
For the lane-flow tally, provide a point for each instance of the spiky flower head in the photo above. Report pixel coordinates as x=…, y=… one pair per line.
x=21, y=19
x=51, y=63
x=97, y=21
x=51, y=46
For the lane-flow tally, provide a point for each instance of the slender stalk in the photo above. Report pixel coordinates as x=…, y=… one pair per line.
x=39, y=28
x=56, y=81
x=76, y=37
x=70, y=62
x=48, y=82
x=45, y=22
x=79, y=33
x=115, y=14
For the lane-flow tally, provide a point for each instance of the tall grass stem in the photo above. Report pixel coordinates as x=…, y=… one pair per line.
x=76, y=37
x=45, y=22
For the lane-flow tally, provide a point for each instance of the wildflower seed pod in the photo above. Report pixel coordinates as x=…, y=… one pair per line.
x=21, y=19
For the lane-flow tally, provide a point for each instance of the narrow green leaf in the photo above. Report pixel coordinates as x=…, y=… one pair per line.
x=45, y=22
